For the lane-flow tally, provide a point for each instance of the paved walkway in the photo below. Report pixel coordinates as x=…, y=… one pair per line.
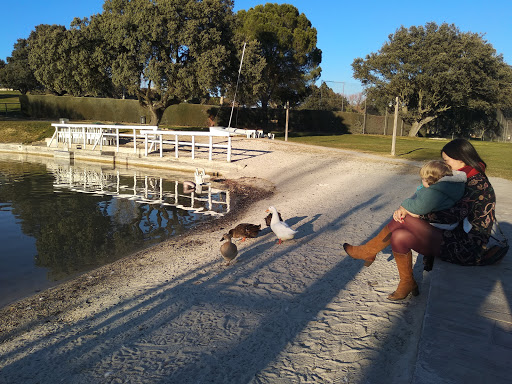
x=467, y=329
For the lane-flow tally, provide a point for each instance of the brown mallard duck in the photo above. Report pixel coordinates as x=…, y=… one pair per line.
x=268, y=218
x=245, y=230
x=228, y=250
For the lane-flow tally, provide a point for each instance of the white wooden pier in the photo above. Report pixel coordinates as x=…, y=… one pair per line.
x=85, y=136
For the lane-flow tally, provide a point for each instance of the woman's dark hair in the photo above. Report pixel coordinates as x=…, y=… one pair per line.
x=463, y=150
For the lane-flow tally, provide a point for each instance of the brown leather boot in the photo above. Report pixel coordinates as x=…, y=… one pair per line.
x=368, y=251
x=407, y=283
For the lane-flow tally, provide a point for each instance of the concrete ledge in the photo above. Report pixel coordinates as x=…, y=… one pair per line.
x=467, y=329
x=125, y=157
x=25, y=149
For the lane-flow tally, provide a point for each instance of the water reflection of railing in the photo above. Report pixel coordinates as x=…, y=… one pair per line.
x=154, y=190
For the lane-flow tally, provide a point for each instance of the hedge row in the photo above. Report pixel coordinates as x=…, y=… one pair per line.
x=195, y=115
x=114, y=110
x=81, y=108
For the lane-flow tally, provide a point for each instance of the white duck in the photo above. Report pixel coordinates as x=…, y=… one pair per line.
x=280, y=228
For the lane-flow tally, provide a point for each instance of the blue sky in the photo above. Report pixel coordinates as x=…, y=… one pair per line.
x=346, y=29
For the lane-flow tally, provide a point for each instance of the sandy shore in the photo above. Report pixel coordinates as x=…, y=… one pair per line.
x=299, y=312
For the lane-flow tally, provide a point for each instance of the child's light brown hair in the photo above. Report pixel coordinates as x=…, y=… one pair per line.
x=432, y=171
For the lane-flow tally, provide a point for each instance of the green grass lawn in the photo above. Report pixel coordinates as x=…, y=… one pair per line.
x=498, y=156
x=24, y=131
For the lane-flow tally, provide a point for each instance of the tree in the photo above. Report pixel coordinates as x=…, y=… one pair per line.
x=47, y=58
x=324, y=98
x=2, y=73
x=356, y=102
x=434, y=69
x=250, y=83
x=17, y=73
x=91, y=72
x=284, y=43
x=69, y=61
x=169, y=51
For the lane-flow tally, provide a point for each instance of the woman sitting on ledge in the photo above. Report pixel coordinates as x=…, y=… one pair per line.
x=465, y=245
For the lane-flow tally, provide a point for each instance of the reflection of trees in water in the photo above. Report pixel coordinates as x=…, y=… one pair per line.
x=78, y=236
x=23, y=192
x=75, y=232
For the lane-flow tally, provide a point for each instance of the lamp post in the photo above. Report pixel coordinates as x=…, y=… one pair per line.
x=287, y=106
x=364, y=121
x=343, y=98
x=386, y=119
x=395, y=124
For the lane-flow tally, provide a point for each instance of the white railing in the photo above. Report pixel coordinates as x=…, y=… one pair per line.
x=150, y=136
x=94, y=134
x=156, y=138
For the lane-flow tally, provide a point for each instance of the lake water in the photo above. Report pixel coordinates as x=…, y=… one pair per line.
x=60, y=219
